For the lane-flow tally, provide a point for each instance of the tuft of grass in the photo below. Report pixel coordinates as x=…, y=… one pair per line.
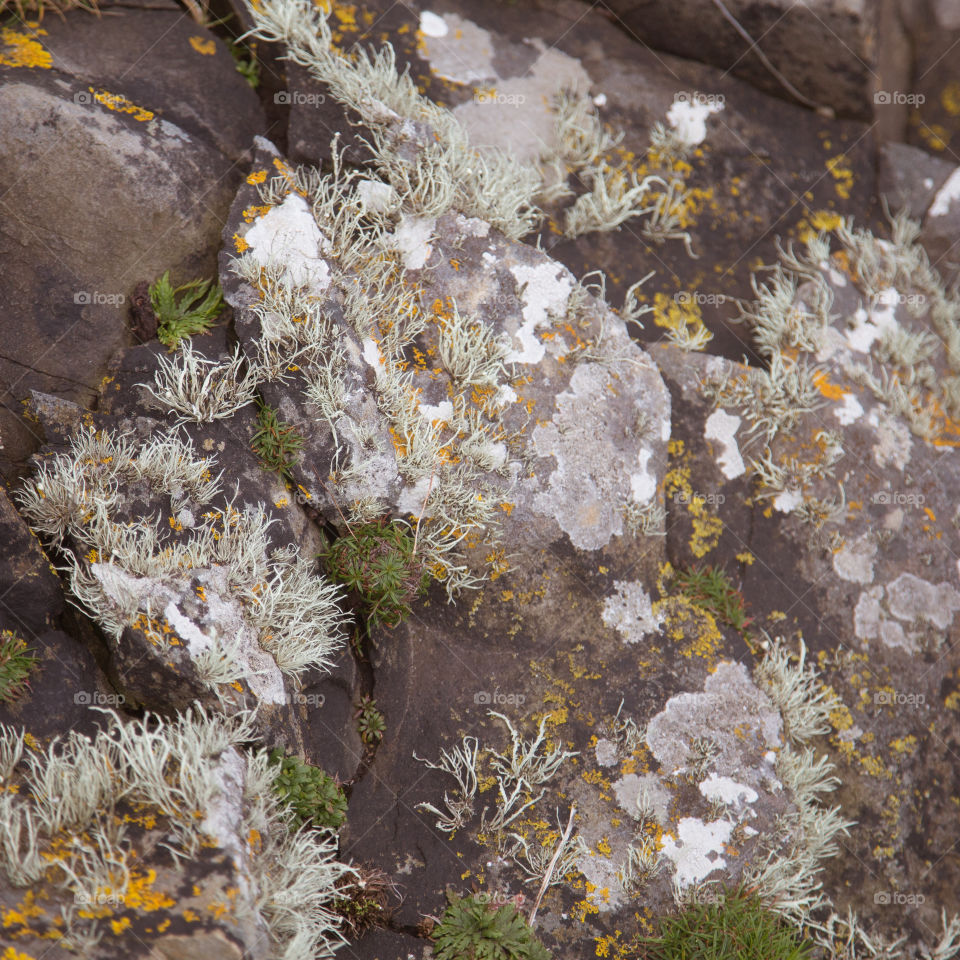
x=736, y=927
x=276, y=442
x=371, y=724
x=473, y=929
x=17, y=662
x=366, y=901
x=379, y=561
x=711, y=589
x=193, y=312
x=313, y=797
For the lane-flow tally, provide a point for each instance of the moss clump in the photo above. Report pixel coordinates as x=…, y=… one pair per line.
x=192, y=313
x=472, y=929
x=276, y=442
x=379, y=561
x=737, y=927
x=17, y=662
x=314, y=797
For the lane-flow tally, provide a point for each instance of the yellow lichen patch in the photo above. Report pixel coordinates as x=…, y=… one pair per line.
x=204, y=45
x=839, y=168
x=118, y=926
x=693, y=630
x=707, y=526
x=934, y=135
x=830, y=390
x=240, y=244
x=677, y=313
x=22, y=49
x=746, y=557
x=120, y=104
x=950, y=99
x=819, y=221
x=11, y=954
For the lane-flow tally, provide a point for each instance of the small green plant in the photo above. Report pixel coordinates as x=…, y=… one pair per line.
x=365, y=901
x=314, y=797
x=735, y=927
x=379, y=561
x=193, y=312
x=16, y=664
x=711, y=589
x=472, y=929
x=245, y=60
x=370, y=723
x=276, y=442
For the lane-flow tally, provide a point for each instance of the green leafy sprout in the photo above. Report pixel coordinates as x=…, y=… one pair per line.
x=370, y=722
x=379, y=561
x=735, y=927
x=16, y=664
x=276, y=442
x=193, y=312
x=472, y=929
x=314, y=797
x=712, y=590
x=245, y=60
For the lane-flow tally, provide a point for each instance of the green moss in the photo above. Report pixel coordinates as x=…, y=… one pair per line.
x=192, y=313
x=472, y=929
x=379, y=561
x=736, y=927
x=17, y=662
x=314, y=797
x=276, y=442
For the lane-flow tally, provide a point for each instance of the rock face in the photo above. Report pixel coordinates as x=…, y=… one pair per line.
x=669, y=622
x=835, y=54
x=113, y=107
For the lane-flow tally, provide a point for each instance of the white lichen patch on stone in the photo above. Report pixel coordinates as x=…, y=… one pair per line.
x=722, y=427
x=472, y=226
x=689, y=119
x=870, y=622
x=948, y=194
x=545, y=289
x=643, y=485
x=787, y=500
x=600, y=871
x=630, y=611
x=372, y=354
x=849, y=410
x=632, y=787
x=894, y=442
x=288, y=234
x=412, y=238
x=733, y=712
x=375, y=195
x=726, y=790
x=605, y=752
x=594, y=464
x=870, y=327
x=853, y=562
x=459, y=50
x=696, y=850
x=441, y=412
x=910, y=598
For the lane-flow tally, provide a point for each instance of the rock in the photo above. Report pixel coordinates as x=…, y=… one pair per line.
x=168, y=859
x=105, y=107
x=909, y=177
x=386, y=945
x=833, y=54
x=939, y=236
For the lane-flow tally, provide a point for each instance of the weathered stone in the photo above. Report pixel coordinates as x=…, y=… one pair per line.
x=909, y=177
x=114, y=107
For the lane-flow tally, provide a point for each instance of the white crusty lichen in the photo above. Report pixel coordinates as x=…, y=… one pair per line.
x=63, y=823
